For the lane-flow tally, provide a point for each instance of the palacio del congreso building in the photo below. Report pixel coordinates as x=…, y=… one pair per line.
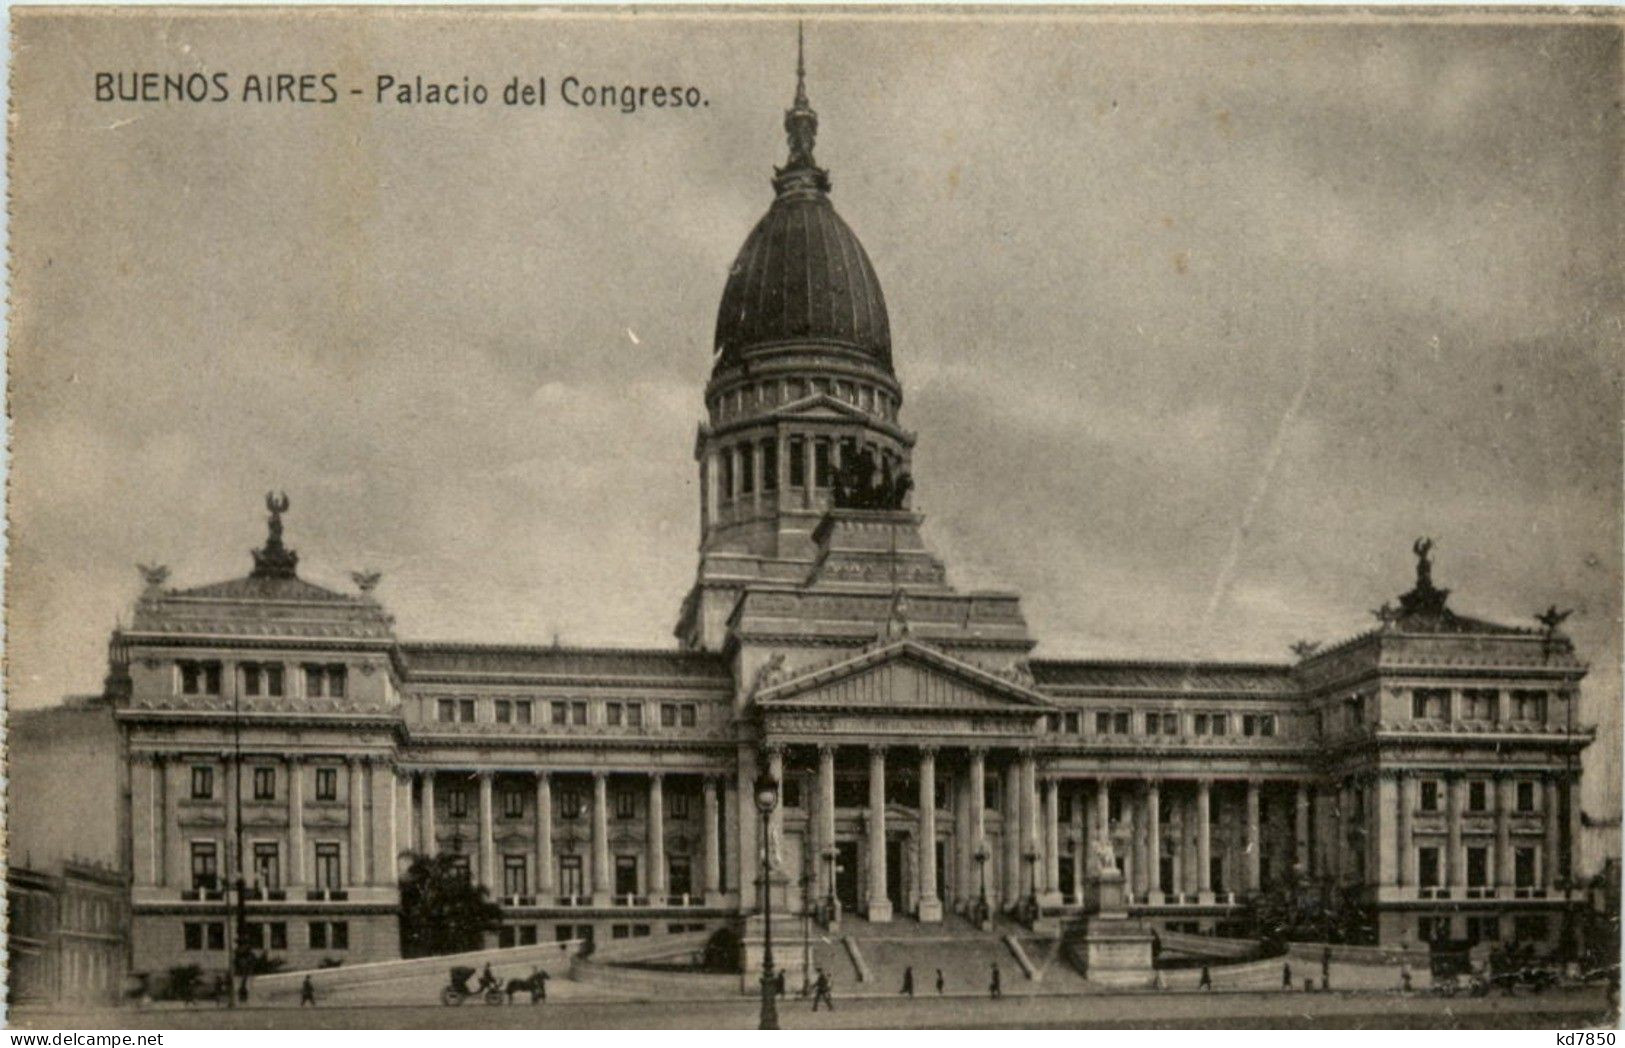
x=1422, y=776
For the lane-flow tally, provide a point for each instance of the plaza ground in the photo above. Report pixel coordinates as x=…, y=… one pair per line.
x=1567, y=1009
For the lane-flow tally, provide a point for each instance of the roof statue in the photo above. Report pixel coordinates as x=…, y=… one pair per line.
x=897, y=627
x=275, y=561
x=155, y=575
x=1386, y=614
x=859, y=485
x=1305, y=648
x=366, y=581
x=1551, y=618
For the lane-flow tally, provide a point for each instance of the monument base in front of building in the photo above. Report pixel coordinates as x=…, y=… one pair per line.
x=1114, y=948
x=789, y=952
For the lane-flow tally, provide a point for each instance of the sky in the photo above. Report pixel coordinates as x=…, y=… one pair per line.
x=1200, y=321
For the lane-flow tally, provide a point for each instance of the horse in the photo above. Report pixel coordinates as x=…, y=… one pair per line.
x=535, y=983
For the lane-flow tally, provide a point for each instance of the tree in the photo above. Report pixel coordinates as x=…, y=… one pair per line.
x=442, y=911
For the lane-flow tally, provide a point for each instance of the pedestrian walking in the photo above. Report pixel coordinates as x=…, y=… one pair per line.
x=908, y=982
x=307, y=993
x=821, y=991
x=1286, y=975
x=1404, y=977
x=1326, y=968
x=1207, y=979
x=778, y=983
x=994, y=989
x=939, y=982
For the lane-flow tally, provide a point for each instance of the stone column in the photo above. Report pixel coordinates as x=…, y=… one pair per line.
x=1030, y=843
x=1103, y=810
x=1386, y=800
x=879, y=904
x=1300, y=829
x=1255, y=846
x=294, y=822
x=1571, y=789
x=754, y=451
x=385, y=848
x=430, y=843
x=708, y=488
x=657, y=838
x=1204, y=840
x=930, y=891
x=1504, y=791
x=1153, y=840
x=1345, y=819
x=1407, y=852
x=1551, y=815
x=978, y=800
x=1011, y=882
x=810, y=479
x=826, y=818
x=1455, y=867
x=358, y=846
x=775, y=819
x=546, y=881
x=1052, y=841
x=713, y=856
x=602, y=884
x=488, y=862
x=781, y=452
x=1128, y=808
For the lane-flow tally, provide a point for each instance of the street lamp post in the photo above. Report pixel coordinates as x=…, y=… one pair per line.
x=981, y=869
x=1031, y=903
x=767, y=798
x=829, y=886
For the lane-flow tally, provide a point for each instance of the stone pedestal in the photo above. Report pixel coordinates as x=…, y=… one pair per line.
x=789, y=951
x=930, y=911
x=1116, y=950
x=879, y=910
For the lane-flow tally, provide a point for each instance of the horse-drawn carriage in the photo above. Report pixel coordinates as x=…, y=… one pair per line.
x=491, y=989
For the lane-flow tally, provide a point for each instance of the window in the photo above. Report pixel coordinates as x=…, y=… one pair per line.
x=668, y=715
x=1260, y=724
x=1529, y=705
x=465, y=710
x=1430, y=795
x=798, y=462
x=770, y=465
x=570, y=882
x=315, y=682
x=205, y=868
x=337, y=681
x=1120, y=723
x=1153, y=723
x=1221, y=723
x=1432, y=929
x=578, y=713
x=1429, y=703
x=328, y=876
x=513, y=875
x=202, y=782
x=1523, y=868
x=1483, y=929
x=216, y=934
x=318, y=935
x=1478, y=704
x=457, y=802
x=1063, y=811
x=990, y=794
x=521, y=711
x=1103, y=723
x=747, y=470
x=1478, y=795
x=634, y=715
x=446, y=711
x=613, y=714
x=460, y=867
x=513, y=804
x=251, y=679
x=192, y=934
x=267, y=865
x=327, y=784
x=1199, y=724
x=1266, y=725
x=626, y=804
x=1170, y=724
x=822, y=472
x=569, y=804
x=333, y=935
x=1052, y=722
x=504, y=711
x=1427, y=867
x=791, y=789
x=560, y=713
x=677, y=804
x=1074, y=723
x=199, y=678
x=688, y=714
x=727, y=479
x=265, y=784
x=1478, y=867
x=1526, y=797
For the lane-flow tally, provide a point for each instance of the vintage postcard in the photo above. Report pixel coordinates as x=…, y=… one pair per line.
x=837, y=517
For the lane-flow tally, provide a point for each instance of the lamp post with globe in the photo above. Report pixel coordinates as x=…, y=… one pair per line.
x=767, y=798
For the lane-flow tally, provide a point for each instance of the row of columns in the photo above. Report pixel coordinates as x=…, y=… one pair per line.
x=600, y=868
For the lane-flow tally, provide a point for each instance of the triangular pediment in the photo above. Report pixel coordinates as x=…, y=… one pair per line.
x=904, y=674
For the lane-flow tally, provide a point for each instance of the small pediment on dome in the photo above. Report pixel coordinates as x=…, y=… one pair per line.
x=904, y=674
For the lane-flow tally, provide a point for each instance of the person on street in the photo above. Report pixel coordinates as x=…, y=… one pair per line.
x=307, y=993
x=1326, y=968
x=1207, y=979
x=939, y=982
x=994, y=989
x=821, y=991
x=1404, y=977
x=908, y=982
x=1286, y=975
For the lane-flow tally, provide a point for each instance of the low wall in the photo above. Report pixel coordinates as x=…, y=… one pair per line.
x=1314, y=952
x=282, y=987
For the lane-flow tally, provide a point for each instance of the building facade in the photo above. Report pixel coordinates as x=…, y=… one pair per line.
x=1423, y=776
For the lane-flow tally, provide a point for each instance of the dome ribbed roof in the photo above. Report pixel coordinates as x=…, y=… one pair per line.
x=803, y=276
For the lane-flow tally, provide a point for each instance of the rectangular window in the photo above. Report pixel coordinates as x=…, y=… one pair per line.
x=578, y=713
x=1052, y=722
x=1120, y=723
x=327, y=784
x=273, y=680
x=570, y=882
x=1530, y=928
x=513, y=875
x=1074, y=724
x=315, y=682
x=626, y=804
x=1103, y=723
x=1526, y=797
x=1432, y=929
x=279, y=934
x=1199, y=723
x=1478, y=867
x=193, y=935
x=561, y=713
x=1221, y=724
x=504, y=711
x=770, y=465
x=267, y=865
x=569, y=806
x=339, y=935
x=318, y=935
x=1427, y=867
x=1430, y=795
x=689, y=714
x=1153, y=723
x=1523, y=868
x=822, y=473
x=1483, y=929
x=612, y=714
x=265, y=784
x=217, y=934
x=465, y=710
x=191, y=678
x=1430, y=703
x=990, y=794
x=747, y=470
x=459, y=866
x=1063, y=811
x=1266, y=725
x=798, y=462
x=202, y=782
x=1478, y=795
x=791, y=789
x=446, y=711
x=678, y=805
x=1170, y=724
x=251, y=679
x=457, y=803
x=1478, y=704
x=205, y=868
x=328, y=875
x=634, y=715
x=513, y=804
x=668, y=715
x=1529, y=705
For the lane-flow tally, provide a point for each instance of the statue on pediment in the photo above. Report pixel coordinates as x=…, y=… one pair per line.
x=366, y=581
x=155, y=575
x=1105, y=855
x=1305, y=648
x=1551, y=618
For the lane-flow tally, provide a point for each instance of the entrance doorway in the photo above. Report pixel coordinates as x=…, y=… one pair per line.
x=894, y=873
x=626, y=875
x=846, y=875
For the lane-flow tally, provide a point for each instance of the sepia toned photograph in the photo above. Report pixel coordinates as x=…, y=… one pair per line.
x=810, y=518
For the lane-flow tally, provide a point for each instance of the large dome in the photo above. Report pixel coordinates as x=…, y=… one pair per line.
x=802, y=276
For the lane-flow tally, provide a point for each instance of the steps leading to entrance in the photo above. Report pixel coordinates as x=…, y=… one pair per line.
x=858, y=963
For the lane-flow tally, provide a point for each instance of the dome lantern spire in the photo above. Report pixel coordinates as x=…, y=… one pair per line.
x=801, y=129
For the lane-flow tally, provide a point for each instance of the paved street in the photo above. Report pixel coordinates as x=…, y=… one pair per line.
x=1567, y=1010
